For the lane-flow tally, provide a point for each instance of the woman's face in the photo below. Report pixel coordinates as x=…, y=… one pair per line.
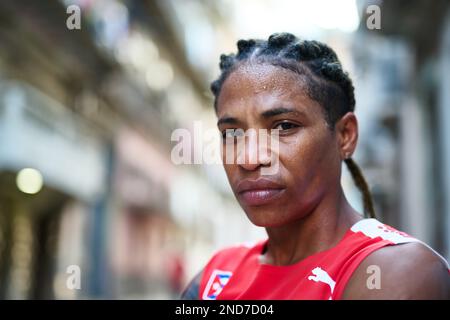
x=308, y=163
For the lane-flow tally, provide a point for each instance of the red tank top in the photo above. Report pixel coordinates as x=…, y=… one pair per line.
x=236, y=273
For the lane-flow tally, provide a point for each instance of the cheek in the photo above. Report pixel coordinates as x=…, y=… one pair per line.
x=228, y=157
x=307, y=157
x=298, y=153
x=230, y=168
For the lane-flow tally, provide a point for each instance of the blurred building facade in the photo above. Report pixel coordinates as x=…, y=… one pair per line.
x=402, y=86
x=93, y=110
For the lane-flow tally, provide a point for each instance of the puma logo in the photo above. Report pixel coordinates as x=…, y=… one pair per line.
x=320, y=275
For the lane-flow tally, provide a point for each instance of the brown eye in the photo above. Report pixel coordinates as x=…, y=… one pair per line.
x=286, y=126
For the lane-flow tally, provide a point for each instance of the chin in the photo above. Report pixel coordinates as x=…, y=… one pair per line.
x=265, y=217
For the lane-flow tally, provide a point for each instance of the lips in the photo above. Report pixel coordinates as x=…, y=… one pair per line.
x=258, y=192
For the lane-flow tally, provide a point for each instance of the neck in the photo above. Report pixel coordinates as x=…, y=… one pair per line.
x=320, y=229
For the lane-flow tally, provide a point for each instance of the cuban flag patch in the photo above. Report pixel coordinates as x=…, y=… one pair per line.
x=217, y=281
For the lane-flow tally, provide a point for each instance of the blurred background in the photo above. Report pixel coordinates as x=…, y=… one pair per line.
x=86, y=117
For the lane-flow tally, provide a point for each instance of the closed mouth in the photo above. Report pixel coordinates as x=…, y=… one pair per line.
x=259, y=191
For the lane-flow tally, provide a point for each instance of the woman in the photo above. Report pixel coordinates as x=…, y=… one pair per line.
x=318, y=246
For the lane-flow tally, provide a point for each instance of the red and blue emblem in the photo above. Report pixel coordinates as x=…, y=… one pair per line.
x=217, y=281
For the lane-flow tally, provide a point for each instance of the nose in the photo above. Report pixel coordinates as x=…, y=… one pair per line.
x=253, y=151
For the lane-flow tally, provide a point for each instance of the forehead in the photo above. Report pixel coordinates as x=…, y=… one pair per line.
x=261, y=86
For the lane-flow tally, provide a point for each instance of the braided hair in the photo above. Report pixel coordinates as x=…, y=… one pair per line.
x=327, y=83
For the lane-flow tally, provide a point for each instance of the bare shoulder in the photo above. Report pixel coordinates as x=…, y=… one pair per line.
x=406, y=271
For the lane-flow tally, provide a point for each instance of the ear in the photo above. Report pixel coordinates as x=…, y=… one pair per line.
x=347, y=134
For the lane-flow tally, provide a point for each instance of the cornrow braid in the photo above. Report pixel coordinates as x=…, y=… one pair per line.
x=327, y=83
x=362, y=185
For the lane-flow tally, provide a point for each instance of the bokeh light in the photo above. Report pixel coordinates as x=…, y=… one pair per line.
x=29, y=180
